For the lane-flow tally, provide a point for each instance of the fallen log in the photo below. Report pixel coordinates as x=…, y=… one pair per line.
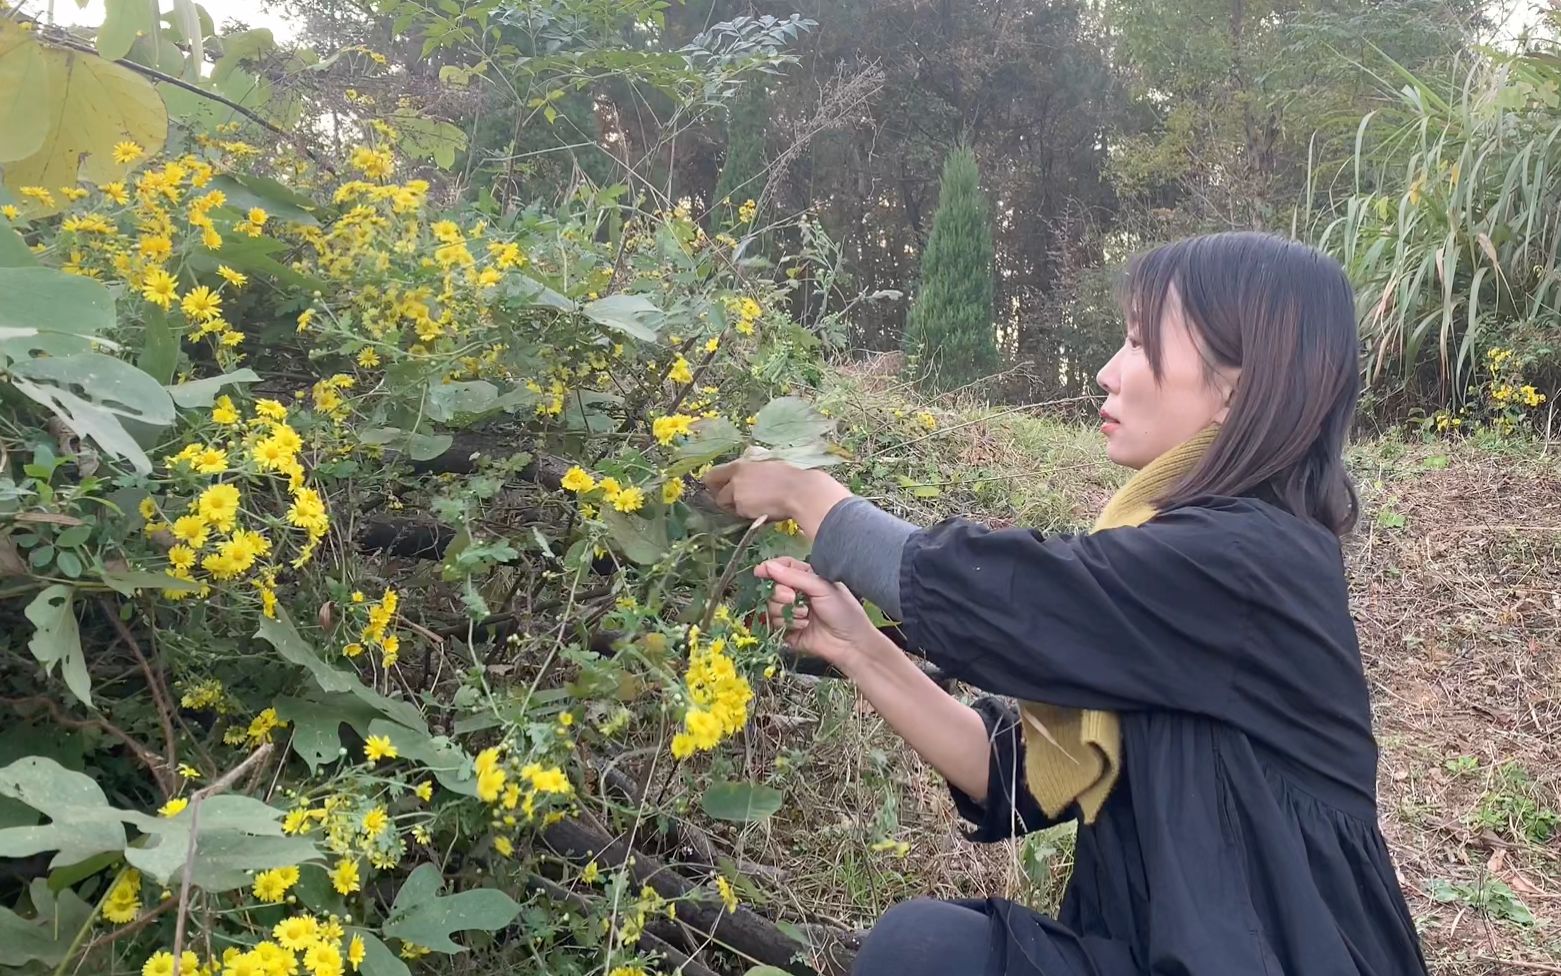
x=655, y=937
x=581, y=840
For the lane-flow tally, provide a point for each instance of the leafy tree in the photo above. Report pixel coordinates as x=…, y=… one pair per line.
x=949, y=337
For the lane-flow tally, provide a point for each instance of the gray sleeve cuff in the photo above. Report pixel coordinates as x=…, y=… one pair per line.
x=859, y=544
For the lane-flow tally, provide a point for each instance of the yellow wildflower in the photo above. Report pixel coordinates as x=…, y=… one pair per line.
x=377, y=747
x=173, y=807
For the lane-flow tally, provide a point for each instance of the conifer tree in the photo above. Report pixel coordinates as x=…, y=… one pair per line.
x=949, y=340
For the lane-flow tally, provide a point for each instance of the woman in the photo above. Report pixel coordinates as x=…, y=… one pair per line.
x=1191, y=684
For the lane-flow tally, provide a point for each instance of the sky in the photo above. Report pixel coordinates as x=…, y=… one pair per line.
x=90, y=13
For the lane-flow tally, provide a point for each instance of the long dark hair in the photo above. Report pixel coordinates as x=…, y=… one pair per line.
x=1284, y=314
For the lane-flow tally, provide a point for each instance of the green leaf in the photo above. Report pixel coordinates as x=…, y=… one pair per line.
x=203, y=393
x=446, y=401
x=83, y=824
x=123, y=21
x=290, y=644
x=534, y=292
x=91, y=105
x=378, y=960
x=65, y=309
x=801, y=456
x=57, y=639
x=631, y=315
x=25, y=92
x=14, y=252
x=245, y=192
x=425, y=138
x=418, y=447
x=317, y=725
x=160, y=347
x=255, y=256
x=790, y=422
x=642, y=540
x=709, y=439
x=186, y=19
x=90, y=392
x=421, y=915
x=241, y=46
x=45, y=937
x=449, y=763
x=237, y=836
x=768, y=970
x=741, y=802
x=127, y=582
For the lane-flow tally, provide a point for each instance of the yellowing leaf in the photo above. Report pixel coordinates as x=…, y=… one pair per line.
x=24, y=93
x=91, y=104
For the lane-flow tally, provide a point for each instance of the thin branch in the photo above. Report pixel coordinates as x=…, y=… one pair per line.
x=154, y=763
x=160, y=696
x=228, y=779
x=730, y=571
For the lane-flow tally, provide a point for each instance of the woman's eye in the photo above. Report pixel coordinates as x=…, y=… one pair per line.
x=1132, y=342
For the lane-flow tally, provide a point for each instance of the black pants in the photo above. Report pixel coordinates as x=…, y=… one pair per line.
x=925, y=937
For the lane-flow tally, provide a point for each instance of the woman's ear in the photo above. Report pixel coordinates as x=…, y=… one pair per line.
x=1226, y=381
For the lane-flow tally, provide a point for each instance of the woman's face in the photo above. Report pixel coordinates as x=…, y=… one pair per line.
x=1142, y=419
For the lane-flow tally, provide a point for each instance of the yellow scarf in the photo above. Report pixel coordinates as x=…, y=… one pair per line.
x=1072, y=753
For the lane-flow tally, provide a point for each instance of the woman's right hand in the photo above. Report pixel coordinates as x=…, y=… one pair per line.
x=831, y=626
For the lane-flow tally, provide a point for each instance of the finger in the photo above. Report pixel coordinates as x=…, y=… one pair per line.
x=803, y=581
x=779, y=611
x=793, y=563
x=783, y=594
x=718, y=477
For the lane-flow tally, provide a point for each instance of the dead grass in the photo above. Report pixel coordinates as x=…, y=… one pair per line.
x=1456, y=581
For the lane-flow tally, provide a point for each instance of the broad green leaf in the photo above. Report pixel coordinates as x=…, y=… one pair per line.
x=57, y=639
x=801, y=456
x=741, y=802
x=25, y=91
x=90, y=392
x=14, y=252
x=631, y=315
x=768, y=970
x=446, y=401
x=203, y=393
x=90, y=421
x=421, y=915
x=642, y=540
x=245, y=191
x=253, y=255
x=237, y=836
x=186, y=20
x=128, y=581
x=64, y=308
x=316, y=725
x=45, y=937
x=123, y=22
x=159, y=346
x=447, y=761
x=290, y=644
x=425, y=138
x=709, y=439
x=533, y=292
x=241, y=46
x=378, y=960
x=790, y=422
x=92, y=105
x=82, y=823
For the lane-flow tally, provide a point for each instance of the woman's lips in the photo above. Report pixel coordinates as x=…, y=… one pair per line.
x=1108, y=423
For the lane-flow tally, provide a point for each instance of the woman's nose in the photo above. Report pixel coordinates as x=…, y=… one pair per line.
x=1106, y=379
